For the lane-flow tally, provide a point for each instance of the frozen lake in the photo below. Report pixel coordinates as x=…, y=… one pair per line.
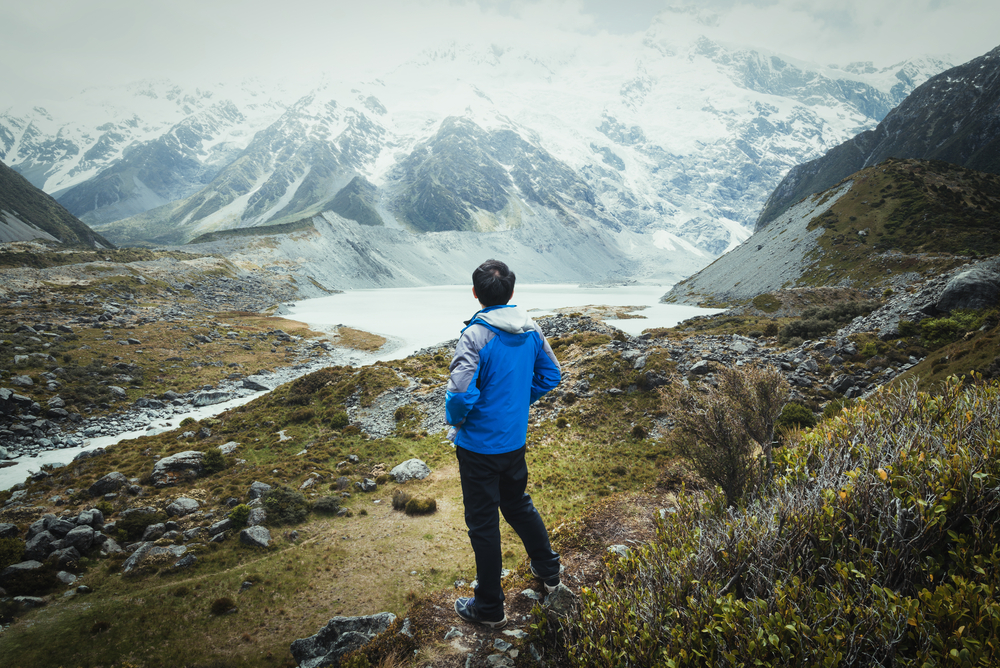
x=416, y=318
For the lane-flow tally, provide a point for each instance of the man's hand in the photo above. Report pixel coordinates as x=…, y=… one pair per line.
x=452, y=433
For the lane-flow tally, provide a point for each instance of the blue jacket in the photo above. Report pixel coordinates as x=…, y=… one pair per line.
x=502, y=364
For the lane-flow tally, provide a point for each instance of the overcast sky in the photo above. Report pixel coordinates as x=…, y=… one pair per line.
x=55, y=48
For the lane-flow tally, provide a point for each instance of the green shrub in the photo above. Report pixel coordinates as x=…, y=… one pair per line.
x=188, y=421
x=339, y=420
x=11, y=552
x=877, y=546
x=795, y=416
x=285, y=506
x=213, y=462
x=561, y=423
x=328, y=505
x=908, y=328
x=240, y=515
x=767, y=303
x=222, y=606
x=819, y=321
x=421, y=506
x=938, y=332
x=771, y=329
x=105, y=507
x=400, y=499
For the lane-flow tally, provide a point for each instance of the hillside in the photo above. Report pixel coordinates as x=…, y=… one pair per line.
x=27, y=213
x=877, y=229
x=951, y=117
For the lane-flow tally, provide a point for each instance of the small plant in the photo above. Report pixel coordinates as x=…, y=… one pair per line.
x=328, y=505
x=99, y=627
x=561, y=423
x=188, y=421
x=400, y=499
x=639, y=432
x=795, y=416
x=131, y=527
x=223, y=606
x=240, y=515
x=105, y=507
x=11, y=552
x=285, y=506
x=213, y=462
x=420, y=506
x=339, y=420
x=302, y=415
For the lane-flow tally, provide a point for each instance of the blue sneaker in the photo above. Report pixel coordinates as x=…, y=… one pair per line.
x=466, y=609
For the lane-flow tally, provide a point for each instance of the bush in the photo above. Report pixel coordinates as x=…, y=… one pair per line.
x=240, y=515
x=285, y=506
x=855, y=558
x=302, y=415
x=819, y=321
x=400, y=499
x=188, y=421
x=795, y=416
x=771, y=329
x=339, y=420
x=420, y=506
x=720, y=431
x=222, y=606
x=105, y=507
x=11, y=552
x=213, y=462
x=328, y=505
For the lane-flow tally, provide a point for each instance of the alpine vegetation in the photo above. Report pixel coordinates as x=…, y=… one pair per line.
x=876, y=545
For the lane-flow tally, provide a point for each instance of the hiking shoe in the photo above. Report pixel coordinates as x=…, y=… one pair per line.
x=466, y=609
x=551, y=583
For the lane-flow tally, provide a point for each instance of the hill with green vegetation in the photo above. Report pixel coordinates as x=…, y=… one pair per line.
x=877, y=229
x=28, y=213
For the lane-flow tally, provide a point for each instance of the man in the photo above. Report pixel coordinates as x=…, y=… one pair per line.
x=502, y=364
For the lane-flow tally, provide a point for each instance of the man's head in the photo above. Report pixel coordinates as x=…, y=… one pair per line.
x=493, y=283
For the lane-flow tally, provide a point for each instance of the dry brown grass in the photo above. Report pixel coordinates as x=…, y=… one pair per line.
x=358, y=339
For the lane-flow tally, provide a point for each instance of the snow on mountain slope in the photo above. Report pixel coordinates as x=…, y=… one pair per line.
x=660, y=136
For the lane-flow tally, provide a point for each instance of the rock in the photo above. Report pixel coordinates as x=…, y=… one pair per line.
x=60, y=527
x=220, y=527
x=701, y=368
x=66, y=577
x=92, y=518
x=366, y=485
x=257, y=490
x=182, y=506
x=255, y=386
x=340, y=636
x=110, y=546
x=87, y=454
x=183, y=465
x=29, y=602
x=211, y=398
x=68, y=557
x=22, y=381
x=56, y=402
x=17, y=571
x=186, y=562
x=150, y=552
x=39, y=546
x=562, y=601
x=112, y=482
x=409, y=470
x=229, y=448
x=8, y=530
x=257, y=517
x=82, y=537
x=620, y=550
x=118, y=392
x=976, y=288
x=255, y=536
x=153, y=532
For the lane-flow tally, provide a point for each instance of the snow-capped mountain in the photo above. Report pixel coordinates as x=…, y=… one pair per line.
x=676, y=144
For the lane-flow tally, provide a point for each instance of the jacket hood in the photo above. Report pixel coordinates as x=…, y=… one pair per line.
x=506, y=318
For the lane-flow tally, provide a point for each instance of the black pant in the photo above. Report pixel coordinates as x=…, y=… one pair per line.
x=498, y=481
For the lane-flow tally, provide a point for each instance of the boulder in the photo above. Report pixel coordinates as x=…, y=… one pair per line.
x=148, y=552
x=110, y=546
x=8, y=530
x=340, y=636
x=67, y=557
x=211, y=398
x=182, y=506
x=255, y=386
x=110, y=483
x=17, y=571
x=174, y=468
x=974, y=289
x=257, y=517
x=22, y=381
x=220, y=527
x=153, y=532
x=409, y=470
x=92, y=518
x=257, y=490
x=229, y=448
x=60, y=527
x=82, y=537
x=255, y=536
x=701, y=368
x=39, y=547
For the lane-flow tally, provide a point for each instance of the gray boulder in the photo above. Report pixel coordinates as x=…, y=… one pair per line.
x=251, y=384
x=110, y=546
x=22, y=381
x=67, y=557
x=39, y=546
x=409, y=470
x=148, y=552
x=257, y=490
x=82, y=537
x=110, y=483
x=17, y=571
x=220, y=527
x=8, y=530
x=257, y=517
x=153, y=532
x=255, y=536
x=211, y=398
x=340, y=636
x=60, y=527
x=974, y=289
x=182, y=506
x=172, y=469
x=701, y=368
x=92, y=518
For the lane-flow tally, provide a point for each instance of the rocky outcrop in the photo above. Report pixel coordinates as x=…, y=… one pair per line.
x=340, y=636
x=411, y=469
x=184, y=465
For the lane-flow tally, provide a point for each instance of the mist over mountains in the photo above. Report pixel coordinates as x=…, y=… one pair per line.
x=660, y=159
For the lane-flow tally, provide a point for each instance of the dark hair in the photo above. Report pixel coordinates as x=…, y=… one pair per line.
x=494, y=283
